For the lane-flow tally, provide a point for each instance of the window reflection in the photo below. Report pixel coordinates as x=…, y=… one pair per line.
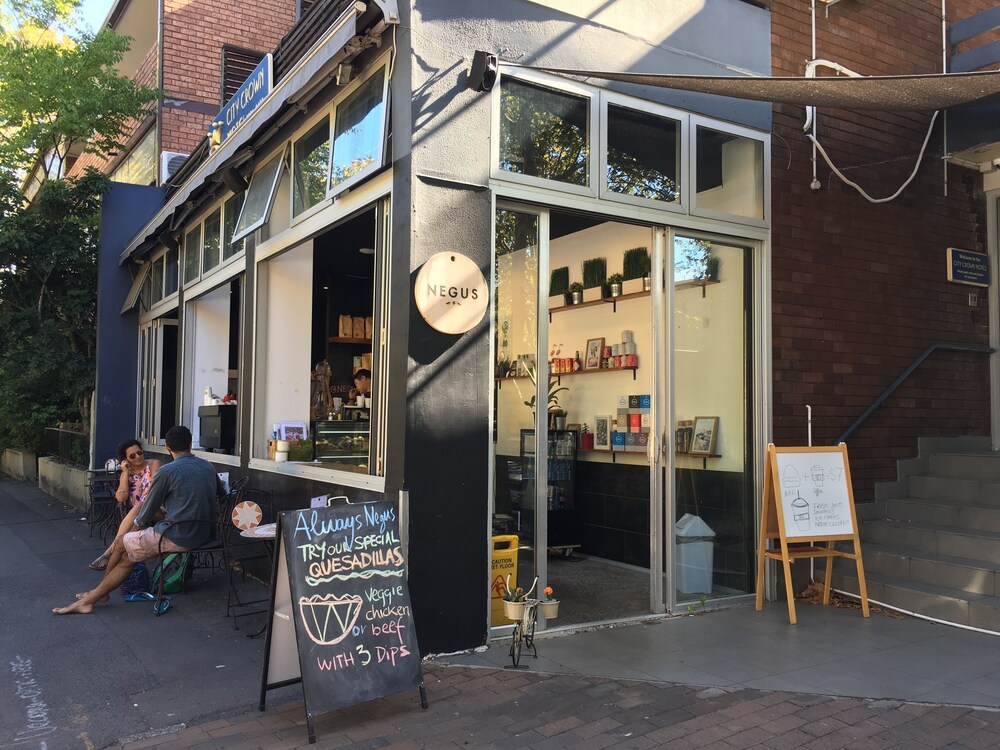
x=643, y=155
x=729, y=173
x=312, y=156
x=359, y=132
x=544, y=133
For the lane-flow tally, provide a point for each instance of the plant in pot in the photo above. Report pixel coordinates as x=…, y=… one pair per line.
x=558, y=287
x=635, y=270
x=586, y=438
x=514, y=600
x=615, y=282
x=549, y=607
x=553, y=395
x=557, y=418
x=712, y=268
x=576, y=293
x=595, y=276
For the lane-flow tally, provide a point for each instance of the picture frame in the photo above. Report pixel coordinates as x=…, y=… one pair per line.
x=293, y=431
x=592, y=357
x=575, y=427
x=602, y=432
x=704, y=435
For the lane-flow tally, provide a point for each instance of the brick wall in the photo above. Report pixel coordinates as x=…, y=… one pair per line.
x=859, y=289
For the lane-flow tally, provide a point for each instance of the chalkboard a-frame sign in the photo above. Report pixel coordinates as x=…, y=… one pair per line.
x=340, y=619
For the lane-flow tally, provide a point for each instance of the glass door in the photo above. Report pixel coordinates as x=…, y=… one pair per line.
x=710, y=493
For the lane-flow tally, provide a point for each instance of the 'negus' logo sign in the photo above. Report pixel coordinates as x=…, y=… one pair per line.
x=451, y=293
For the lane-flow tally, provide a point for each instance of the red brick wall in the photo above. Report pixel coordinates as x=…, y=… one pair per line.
x=859, y=289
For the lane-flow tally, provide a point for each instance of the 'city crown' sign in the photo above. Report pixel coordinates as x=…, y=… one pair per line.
x=247, y=98
x=451, y=293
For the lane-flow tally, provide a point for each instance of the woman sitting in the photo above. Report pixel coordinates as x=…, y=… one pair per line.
x=136, y=475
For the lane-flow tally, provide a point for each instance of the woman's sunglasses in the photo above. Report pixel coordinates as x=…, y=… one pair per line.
x=134, y=455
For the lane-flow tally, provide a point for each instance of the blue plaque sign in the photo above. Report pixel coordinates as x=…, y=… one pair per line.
x=967, y=267
x=247, y=98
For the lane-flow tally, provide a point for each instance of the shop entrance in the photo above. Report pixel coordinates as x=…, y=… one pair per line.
x=589, y=412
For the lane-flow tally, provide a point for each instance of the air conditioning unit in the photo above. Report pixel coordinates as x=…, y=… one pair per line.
x=170, y=162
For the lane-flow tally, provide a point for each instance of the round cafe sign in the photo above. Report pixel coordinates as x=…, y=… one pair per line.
x=451, y=293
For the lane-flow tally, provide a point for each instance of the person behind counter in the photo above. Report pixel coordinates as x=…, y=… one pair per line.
x=362, y=386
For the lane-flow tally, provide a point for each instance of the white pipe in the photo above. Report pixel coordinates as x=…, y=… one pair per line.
x=811, y=111
x=809, y=425
x=917, y=614
x=944, y=69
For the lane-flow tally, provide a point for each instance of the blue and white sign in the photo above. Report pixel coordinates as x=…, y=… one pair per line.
x=968, y=267
x=247, y=98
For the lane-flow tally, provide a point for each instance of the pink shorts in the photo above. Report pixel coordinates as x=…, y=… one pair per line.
x=144, y=545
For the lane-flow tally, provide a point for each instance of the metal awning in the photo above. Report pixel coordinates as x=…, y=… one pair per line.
x=306, y=72
x=883, y=93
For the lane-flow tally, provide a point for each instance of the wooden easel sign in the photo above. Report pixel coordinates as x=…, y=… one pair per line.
x=808, y=497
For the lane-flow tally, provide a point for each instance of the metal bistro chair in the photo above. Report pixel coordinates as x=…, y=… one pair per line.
x=103, y=510
x=206, y=552
x=246, y=555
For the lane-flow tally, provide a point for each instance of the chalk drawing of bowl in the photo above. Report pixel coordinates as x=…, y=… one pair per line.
x=328, y=619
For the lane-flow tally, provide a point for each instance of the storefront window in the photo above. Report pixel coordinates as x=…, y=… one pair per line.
x=643, y=159
x=157, y=377
x=156, y=280
x=729, y=174
x=231, y=210
x=359, y=133
x=210, y=254
x=192, y=255
x=139, y=167
x=170, y=272
x=312, y=157
x=544, y=133
x=259, y=197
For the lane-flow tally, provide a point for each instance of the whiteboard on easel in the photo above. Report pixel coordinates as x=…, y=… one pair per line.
x=815, y=493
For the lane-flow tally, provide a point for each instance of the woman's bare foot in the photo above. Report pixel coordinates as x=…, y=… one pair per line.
x=76, y=608
x=84, y=593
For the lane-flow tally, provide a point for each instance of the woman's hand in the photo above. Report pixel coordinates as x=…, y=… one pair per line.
x=123, y=465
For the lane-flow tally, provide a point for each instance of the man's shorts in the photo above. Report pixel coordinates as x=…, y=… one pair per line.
x=144, y=545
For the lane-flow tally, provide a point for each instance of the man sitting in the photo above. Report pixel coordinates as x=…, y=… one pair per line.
x=186, y=489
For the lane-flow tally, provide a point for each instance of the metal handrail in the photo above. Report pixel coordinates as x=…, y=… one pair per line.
x=906, y=373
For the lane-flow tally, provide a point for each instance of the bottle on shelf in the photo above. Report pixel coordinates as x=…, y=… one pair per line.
x=577, y=364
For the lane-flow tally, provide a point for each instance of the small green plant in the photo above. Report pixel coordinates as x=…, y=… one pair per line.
x=585, y=430
x=616, y=278
x=553, y=398
x=712, y=263
x=559, y=281
x=576, y=286
x=595, y=272
x=635, y=264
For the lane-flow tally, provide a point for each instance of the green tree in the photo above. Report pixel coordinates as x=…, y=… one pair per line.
x=60, y=94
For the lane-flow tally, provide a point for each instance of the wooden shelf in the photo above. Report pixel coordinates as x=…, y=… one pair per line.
x=695, y=283
x=613, y=301
x=559, y=375
x=347, y=340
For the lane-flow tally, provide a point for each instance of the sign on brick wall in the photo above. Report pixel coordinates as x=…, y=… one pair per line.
x=968, y=267
x=247, y=98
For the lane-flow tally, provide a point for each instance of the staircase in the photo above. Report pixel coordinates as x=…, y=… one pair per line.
x=931, y=543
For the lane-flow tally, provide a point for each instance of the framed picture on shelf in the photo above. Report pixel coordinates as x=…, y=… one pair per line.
x=703, y=438
x=293, y=431
x=574, y=427
x=602, y=432
x=592, y=360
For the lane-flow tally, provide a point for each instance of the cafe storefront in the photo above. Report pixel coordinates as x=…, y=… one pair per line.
x=285, y=262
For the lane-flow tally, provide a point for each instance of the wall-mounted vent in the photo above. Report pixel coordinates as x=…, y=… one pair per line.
x=170, y=162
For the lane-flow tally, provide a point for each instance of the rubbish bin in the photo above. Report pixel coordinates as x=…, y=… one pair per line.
x=502, y=564
x=693, y=565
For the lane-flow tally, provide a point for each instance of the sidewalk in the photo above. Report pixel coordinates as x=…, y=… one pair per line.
x=121, y=678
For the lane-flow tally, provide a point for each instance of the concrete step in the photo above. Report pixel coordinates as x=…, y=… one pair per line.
x=933, y=539
x=967, y=517
x=963, y=574
x=977, y=466
x=954, y=490
x=949, y=605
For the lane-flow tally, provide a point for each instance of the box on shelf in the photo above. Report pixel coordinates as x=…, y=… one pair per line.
x=346, y=327
x=627, y=337
x=617, y=441
x=634, y=422
x=633, y=402
x=358, y=328
x=369, y=326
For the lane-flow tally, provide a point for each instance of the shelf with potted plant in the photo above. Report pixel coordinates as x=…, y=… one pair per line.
x=559, y=375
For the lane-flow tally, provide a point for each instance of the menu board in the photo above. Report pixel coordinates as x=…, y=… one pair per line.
x=348, y=600
x=814, y=495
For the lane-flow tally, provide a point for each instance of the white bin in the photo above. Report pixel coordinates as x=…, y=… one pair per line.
x=695, y=542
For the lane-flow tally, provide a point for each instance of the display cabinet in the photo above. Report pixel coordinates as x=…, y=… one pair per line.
x=342, y=442
x=563, y=520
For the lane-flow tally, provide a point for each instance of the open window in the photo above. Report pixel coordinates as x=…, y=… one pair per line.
x=259, y=197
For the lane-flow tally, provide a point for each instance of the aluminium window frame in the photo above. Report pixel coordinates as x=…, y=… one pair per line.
x=381, y=66
x=278, y=157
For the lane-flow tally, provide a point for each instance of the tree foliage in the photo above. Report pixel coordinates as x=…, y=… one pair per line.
x=59, y=94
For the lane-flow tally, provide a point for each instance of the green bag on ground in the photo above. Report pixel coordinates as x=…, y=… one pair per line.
x=176, y=570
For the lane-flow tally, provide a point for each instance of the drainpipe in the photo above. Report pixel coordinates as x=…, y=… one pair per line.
x=944, y=69
x=159, y=88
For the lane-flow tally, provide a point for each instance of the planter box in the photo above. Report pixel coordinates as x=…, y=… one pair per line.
x=631, y=286
x=593, y=294
x=557, y=300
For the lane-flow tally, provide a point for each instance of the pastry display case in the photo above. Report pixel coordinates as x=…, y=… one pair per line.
x=342, y=443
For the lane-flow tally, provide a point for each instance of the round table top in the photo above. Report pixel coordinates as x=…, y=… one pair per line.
x=264, y=531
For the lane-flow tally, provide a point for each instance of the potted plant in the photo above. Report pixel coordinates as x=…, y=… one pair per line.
x=553, y=397
x=557, y=419
x=549, y=607
x=615, y=282
x=712, y=268
x=635, y=268
x=558, y=287
x=595, y=276
x=576, y=293
x=514, y=600
x=586, y=438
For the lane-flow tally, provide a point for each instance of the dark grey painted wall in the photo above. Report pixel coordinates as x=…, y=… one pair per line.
x=125, y=209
